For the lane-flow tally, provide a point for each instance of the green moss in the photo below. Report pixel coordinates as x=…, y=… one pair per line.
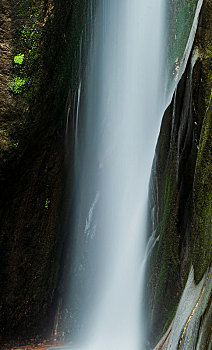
x=30, y=36
x=169, y=321
x=47, y=203
x=26, y=68
x=17, y=85
x=51, y=66
x=165, y=260
x=202, y=222
x=202, y=192
x=19, y=58
x=185, y=203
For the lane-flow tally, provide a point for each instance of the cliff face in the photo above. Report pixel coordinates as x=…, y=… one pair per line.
x=39, y=63
x=180, y=206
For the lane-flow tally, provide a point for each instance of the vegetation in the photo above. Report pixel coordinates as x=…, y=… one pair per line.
x=45, y=38
x=202, y=222
x=202, y=190
x=184, y=154
x=30, y=36
x=165, y=262
x=26, y=69
x=17, y=85
x=19, y=59
x=47, y=203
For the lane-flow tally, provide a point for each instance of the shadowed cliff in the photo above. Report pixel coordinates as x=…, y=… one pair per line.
x=180, y=197
x=39, y=67
x=39, y=63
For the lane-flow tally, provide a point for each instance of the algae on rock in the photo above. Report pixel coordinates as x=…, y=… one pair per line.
x=183, y=150
x=40, y=45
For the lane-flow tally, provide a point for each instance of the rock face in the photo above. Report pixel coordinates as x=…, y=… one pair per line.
x=192, y=313
x=39, y=66
x=39, y=63
x=180, y=203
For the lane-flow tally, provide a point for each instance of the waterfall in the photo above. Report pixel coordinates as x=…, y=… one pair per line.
x=119, y=107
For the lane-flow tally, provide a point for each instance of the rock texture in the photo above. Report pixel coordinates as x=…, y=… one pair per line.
x=192, y=324
x=181, y=191
x=46, y=34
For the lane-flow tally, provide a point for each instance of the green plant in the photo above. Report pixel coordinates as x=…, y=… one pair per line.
x=17, y=85
x=47, y=203
x=19, y=58
x=31, y=35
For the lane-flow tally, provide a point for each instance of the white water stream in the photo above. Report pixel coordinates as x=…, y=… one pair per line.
x=119, y=110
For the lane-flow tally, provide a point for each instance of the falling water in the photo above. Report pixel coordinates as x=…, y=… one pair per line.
x=118, y=113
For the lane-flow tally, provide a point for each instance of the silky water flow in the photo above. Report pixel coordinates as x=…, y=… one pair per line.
x=117, y=117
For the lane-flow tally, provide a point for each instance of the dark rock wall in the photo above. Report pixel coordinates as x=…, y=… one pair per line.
x=180, y=188
x=46, y=33
x=32, y=101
